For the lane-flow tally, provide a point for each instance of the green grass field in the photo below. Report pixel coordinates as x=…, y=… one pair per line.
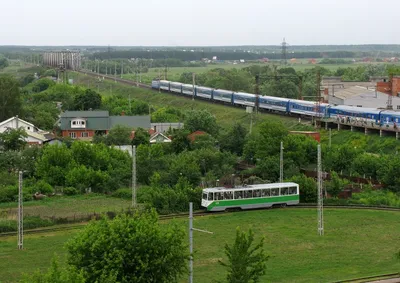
x=66, y=206
x=356, y=243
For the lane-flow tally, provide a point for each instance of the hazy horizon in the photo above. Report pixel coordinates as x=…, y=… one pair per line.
x=173, y=23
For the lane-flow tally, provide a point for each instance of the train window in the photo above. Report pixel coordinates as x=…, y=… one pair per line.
x=205, y=196
x=256, y=193
x=284, y=191
x=219, y=196
x=210, y=196
x=275, y=192
x=228, y=195
x=238, y=194
x=293, y=191
x=248, y=194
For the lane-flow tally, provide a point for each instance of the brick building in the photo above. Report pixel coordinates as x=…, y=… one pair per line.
x=85, y=124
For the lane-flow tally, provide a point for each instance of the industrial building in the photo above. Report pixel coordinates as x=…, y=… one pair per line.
x=70, y=60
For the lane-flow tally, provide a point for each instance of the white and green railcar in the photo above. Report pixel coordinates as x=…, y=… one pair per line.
x=250, y=197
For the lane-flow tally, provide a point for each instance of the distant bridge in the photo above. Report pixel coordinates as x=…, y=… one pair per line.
x=68, y=60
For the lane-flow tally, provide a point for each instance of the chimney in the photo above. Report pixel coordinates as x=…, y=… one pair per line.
x=123, y=113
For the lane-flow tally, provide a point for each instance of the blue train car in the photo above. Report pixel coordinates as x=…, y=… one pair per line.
x=351, y=114
x=164, y=85
x=274, y=103
x=204, y=92
x=175, y=87
x=223, y=95
x=155, y=84
x=187, y=89
x=390, y=119
x=242, y=98
x=308, y=108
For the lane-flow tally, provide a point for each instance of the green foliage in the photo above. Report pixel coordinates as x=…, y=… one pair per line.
x=119, y=135
x=54, y=274
x=8, y=194
x=335, y=185
x=117, y=104
x=281, y=88
x=70, y=191
x=13, y=139
x=166, y=114
x=87, y=100
x=42, y=84
x=180, y=141
x=132, y=248
x=307, y=187
x=3, y=62
x=50, y=73
x=246, y=262
x=234, y=139
x=123, y=193
x=43, y=187
x=141, y=137
x=377, y=198
x=10, y=101
x=201, y=120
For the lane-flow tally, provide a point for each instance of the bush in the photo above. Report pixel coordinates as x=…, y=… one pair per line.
x=8, y=194
x=123, y=193
x=32, y=222
x=8, y=226
x=43, y=187
x=70, y=191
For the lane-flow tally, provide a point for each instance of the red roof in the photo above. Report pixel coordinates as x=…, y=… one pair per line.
x=192, y=136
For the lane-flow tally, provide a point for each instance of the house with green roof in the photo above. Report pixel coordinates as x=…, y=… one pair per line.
x=85, y=124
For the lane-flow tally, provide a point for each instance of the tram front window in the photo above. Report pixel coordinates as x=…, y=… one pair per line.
x=205, y=196
x=293, y=190
x=210, y=196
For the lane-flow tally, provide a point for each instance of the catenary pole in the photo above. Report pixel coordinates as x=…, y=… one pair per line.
x=20, y=213
x=134, y=204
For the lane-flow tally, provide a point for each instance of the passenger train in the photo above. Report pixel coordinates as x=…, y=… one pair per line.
x=370, y=117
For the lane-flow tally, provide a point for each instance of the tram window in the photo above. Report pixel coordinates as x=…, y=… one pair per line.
x=256, y=193
x=238, y=194
x=293, y=190
x=284, y=191
x=275, y=192
x=205, y=196
x=210, y=196
x=228, y=195
x=266, y=192
x=248, y=194
x=219, y=196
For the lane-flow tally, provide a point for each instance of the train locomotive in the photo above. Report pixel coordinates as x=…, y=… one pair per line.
x=371, y=117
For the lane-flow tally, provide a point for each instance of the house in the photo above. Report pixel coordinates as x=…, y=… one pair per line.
x=35, y=135
x=159, y=138
x=85, y=124
x=163, y=127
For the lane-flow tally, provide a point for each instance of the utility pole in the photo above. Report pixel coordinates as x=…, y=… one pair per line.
x=257, y=92
x=122, y=68
x=320, y=196
x=134, y=204
x=191, y=229
x=130, y=109
x=281, y=165
x=115, y=71
x=20, y=214
x=194, y=79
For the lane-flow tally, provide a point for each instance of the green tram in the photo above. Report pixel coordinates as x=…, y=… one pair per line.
x=251, y=196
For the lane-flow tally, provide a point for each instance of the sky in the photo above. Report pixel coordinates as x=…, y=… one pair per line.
x=198, y=22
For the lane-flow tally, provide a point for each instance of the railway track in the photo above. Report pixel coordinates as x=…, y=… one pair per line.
x=111, y=78
x=197, y=213
x=372, y=278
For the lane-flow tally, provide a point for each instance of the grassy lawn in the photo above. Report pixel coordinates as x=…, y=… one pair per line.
x=357, y=243
x=66, y=206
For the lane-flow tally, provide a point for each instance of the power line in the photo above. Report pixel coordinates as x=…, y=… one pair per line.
x=284, y=52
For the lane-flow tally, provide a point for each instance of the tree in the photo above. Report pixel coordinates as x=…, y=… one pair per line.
x=246, y=262
x=42, y=84
x=10, y=101
x=201, y=120
x=13, y=139
x=335, y=185
x=141, y=137
x=129, y=248
x=307, y=187
x=234, y=139
x=89, y=99
x=119, y=135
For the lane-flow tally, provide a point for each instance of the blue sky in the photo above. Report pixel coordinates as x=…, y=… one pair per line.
x=198, y=22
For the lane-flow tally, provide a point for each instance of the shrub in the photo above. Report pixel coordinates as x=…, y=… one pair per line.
x=8, y=226
x=70, y=191
x=43, y=187
x=32, y=222
x=123, y=193
x=8, y=194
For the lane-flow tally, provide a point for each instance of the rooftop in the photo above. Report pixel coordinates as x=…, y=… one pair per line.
x=355, y=91
x=253, y=187
x=131, y=121
x=84, y=114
